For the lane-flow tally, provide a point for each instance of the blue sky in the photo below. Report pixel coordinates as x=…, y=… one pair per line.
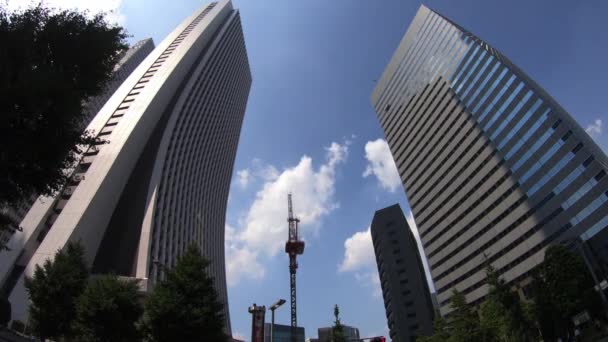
x=309, y=128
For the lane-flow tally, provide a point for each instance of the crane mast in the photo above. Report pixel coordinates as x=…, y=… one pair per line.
x=293, y=247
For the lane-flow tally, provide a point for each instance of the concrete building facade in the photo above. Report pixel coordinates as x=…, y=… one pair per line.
x=407, y=298
x=159, y=180
x=493, y=166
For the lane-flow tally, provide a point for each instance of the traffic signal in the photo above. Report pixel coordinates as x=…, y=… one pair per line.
x=379, y=339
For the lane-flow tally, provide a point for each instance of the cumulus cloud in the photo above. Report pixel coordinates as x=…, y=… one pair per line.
x=111, y=7
x=360, y=259
x=381, y=164
x=241, y=262
x=313, y=190
x=595, y=128
x=358, y=252
x=263, y=230
x=242, y=178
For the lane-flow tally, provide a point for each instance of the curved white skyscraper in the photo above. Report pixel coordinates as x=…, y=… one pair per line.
x=160, y=179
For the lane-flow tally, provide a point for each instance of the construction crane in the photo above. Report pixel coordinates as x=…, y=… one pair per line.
x=294, y=246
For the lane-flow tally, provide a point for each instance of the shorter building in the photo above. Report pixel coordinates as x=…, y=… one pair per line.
x=407, y=299
x=327, y=334
x=282, y=333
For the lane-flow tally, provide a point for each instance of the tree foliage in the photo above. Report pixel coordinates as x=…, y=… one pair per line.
x=108, y=310
x=56, y=60
x=185, y=306
x=502, y=315
x=441, y=332
x=337, y=329
x=464, y=321
x=562, y=288
x=54, y=290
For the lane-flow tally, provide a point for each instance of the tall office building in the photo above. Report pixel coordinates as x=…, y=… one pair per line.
x=493, y=167
x=407, y=299
x=129, y=60
x=159, y=180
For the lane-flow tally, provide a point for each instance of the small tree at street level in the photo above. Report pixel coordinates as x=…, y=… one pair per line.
x=337, y=329
x=108, y=310
x=185, y=306
x=56, y=61
x=54, y=290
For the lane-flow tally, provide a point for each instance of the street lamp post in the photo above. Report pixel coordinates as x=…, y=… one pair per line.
x=272, y=308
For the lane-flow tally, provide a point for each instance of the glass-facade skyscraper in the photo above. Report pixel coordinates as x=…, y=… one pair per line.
x=158, y=179
x=493, y=167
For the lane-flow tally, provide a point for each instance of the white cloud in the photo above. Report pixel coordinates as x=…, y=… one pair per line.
x=264, y=228
x=358, y=252
x=595, y=128
x=381, y=164
x=243, y=177
x=241, y=262
x=111, y=7
x=359, y=257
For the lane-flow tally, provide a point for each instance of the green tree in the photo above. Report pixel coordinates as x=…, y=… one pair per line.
x=56, y=60
x=185, y=306
x=108, y=310
x=54, y=291
x=562, y=287
x=502, y=314
x=464, y=322
x=337, y=329
x=440, y=330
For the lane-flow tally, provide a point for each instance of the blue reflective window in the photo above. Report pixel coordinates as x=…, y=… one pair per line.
x=491, y=89
x=502, y=108
x=579, y=193
x=466, y=63
x=569, y=179
x=533, y=149
x=477, y=75
x=528, y=134
x=483, y=84
x=598, y=202
x=496, y=98
x=468, y=75
x=596, y=228
x=510, y=117
x=554, y=170
x=543, y=160
x=520, y=123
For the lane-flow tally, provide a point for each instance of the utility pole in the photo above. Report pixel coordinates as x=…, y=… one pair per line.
x=294, y=246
